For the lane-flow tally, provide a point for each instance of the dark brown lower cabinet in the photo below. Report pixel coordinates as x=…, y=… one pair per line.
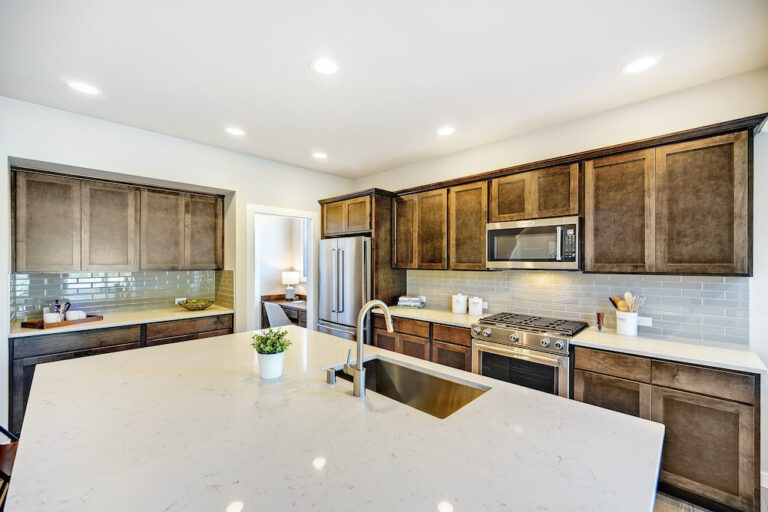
x=709, y=447
x=620, y=395
x=414, y=346
x=385, y=340
x=455, y=356
x=711, y=452
x=28, y=352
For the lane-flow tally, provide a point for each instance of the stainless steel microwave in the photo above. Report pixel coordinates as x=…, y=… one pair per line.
x=551, y=244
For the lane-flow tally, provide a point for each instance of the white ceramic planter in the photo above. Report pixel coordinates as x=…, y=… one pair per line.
x=271, y=365
x=626, y=323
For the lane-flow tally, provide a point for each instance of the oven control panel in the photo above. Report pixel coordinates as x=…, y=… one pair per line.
x=546, y=342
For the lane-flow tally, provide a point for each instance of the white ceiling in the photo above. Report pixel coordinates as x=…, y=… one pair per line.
x=494, y=69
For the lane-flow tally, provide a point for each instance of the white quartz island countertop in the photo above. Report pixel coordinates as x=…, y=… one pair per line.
x=191, y=426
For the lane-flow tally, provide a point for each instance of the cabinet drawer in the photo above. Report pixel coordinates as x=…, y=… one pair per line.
x=611, y=363
x=83, y=340
x=188, y=337
x=458, y=335
x=705, y=381
x=191, y=326
x=403, y=325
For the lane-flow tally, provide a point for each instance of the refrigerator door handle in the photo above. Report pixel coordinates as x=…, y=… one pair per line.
x=334, y=280
x=340, y=273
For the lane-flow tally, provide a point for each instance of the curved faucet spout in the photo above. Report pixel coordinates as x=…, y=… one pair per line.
x=358, y=372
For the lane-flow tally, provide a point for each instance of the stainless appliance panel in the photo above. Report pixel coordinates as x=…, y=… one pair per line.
x=353, y=270
x=534, y=244
x=341, y=331
x=553, y=366
x=327, y=283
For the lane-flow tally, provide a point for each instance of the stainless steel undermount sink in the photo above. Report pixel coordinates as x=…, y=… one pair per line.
x=424, y=391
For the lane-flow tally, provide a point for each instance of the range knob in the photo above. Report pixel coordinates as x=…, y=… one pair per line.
x=514, y=337
x=475, y=331
x=545, y=342
x=559, y=344
x=486, y=332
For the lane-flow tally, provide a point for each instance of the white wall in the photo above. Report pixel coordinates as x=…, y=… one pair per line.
x=41, y=133
x=731, y=98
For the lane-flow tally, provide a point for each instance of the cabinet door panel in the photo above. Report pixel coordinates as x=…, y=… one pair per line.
x=385, y=340
x=511, y=197
x=620, y=395
x=357, y=214
x=47, y=230
x=204, y=232
x=333, y=218
x=619, y=224
x=468, y=215
x=162, y=229
x=432, y=224
x=702, y=206
x=405, y=249
x=455, y=356
x=109, y=226
x=709, y=447
x=414, y=346
x=555, y=191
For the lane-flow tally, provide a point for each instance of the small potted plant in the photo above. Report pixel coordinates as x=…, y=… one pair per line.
x=271, y=346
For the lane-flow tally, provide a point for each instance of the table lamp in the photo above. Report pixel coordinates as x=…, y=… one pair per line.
x=290, y=278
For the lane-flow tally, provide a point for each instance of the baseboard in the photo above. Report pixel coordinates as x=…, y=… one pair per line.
x=763, y=479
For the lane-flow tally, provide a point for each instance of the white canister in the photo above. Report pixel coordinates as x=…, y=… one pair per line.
x=475, y=306
x=626, y=323
x=271, y=365
x=51, y=318
x=74, y=315
x=459, y=304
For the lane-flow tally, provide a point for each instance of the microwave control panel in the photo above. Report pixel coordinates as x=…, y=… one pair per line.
x=569, y=243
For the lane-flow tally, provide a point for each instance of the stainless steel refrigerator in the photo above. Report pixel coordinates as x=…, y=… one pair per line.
x=345, y=284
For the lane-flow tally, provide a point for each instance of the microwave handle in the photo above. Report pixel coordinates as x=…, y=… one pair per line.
x=559, y=256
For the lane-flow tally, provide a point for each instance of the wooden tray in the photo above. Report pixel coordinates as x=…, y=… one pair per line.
x=38, y=324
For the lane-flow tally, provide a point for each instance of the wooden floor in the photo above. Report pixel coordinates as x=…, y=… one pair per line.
x=666, y=503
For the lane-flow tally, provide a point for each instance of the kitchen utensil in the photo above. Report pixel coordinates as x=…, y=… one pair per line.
x=638, y=304
x=623, y=306
x=601, y=320
x=630, y=299
x=615, y=301
x=65, y=308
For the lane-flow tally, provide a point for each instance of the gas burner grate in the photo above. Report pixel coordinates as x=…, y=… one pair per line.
x=535, y=323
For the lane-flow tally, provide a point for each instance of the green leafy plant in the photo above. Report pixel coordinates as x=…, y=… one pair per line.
x=271, y=341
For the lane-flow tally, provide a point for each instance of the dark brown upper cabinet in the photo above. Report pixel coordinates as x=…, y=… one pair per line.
x=404, y=249
x=677, y=209
x=203, y=232
x=347, y=216
x=47, y=229
x=511, y=197
x=432, y=229
x=619, y=233
x=162, y=229
x=110, y=237
x=702, y=206
x=467, y=217
x=555, y=191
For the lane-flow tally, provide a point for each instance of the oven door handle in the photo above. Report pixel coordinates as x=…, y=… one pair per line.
x=525, y=355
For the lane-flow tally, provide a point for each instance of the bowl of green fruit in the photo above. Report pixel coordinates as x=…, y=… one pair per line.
x=196, y=304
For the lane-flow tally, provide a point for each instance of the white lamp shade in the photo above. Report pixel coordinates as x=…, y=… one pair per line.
x=290, y=278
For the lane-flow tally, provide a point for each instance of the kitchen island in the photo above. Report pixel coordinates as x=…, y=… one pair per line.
x=192, y=427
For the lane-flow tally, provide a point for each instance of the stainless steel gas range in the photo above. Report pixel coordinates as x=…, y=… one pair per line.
x=530, y=351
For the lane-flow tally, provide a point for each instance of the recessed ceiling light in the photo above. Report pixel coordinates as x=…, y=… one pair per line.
x=319, y=155
x=446, y=130
x=324, y=66
x=642, y=64
x=233, y=130
x=84, y=88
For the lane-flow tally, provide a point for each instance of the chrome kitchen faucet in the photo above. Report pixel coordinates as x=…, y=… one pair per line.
x=357, y=372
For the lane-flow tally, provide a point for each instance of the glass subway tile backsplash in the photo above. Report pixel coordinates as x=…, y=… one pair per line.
x=100, y=292
x=688, y=308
